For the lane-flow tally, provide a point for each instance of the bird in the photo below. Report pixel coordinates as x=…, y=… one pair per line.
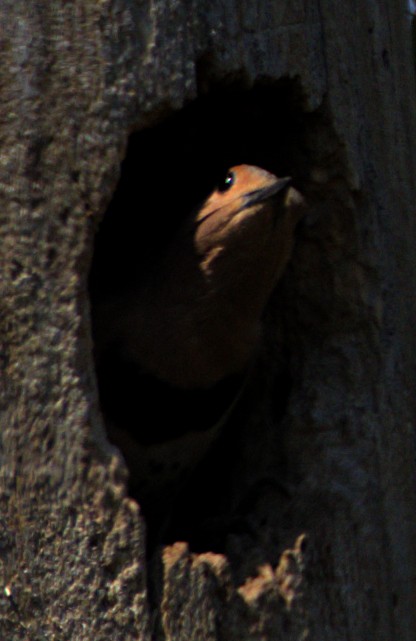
x=173, y=351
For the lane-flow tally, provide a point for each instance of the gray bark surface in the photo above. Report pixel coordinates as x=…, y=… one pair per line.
x=332, y=557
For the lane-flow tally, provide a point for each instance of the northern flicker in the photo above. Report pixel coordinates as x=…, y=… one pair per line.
x=173, y=351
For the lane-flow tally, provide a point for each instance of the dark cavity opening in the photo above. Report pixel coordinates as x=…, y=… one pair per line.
x=167, y=171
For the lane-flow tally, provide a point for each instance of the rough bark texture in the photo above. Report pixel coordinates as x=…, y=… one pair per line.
x=333, y=555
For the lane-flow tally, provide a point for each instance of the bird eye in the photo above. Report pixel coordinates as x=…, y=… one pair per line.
x=227, y=182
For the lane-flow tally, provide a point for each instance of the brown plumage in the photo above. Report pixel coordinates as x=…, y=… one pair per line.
x=197, y=317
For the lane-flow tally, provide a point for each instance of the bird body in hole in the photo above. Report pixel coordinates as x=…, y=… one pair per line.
x=184, y=337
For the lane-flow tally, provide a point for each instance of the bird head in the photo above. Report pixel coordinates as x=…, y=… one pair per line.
x=248, y=220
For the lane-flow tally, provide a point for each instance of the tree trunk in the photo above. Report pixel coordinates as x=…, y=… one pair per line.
x=301, y=519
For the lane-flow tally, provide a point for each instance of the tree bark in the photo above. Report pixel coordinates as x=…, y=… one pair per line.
x=320, y=467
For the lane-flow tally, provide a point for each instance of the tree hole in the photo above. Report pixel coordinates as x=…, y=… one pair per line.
x=192, y=485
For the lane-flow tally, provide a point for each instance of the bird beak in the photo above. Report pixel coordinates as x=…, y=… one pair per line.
x=262, y=194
